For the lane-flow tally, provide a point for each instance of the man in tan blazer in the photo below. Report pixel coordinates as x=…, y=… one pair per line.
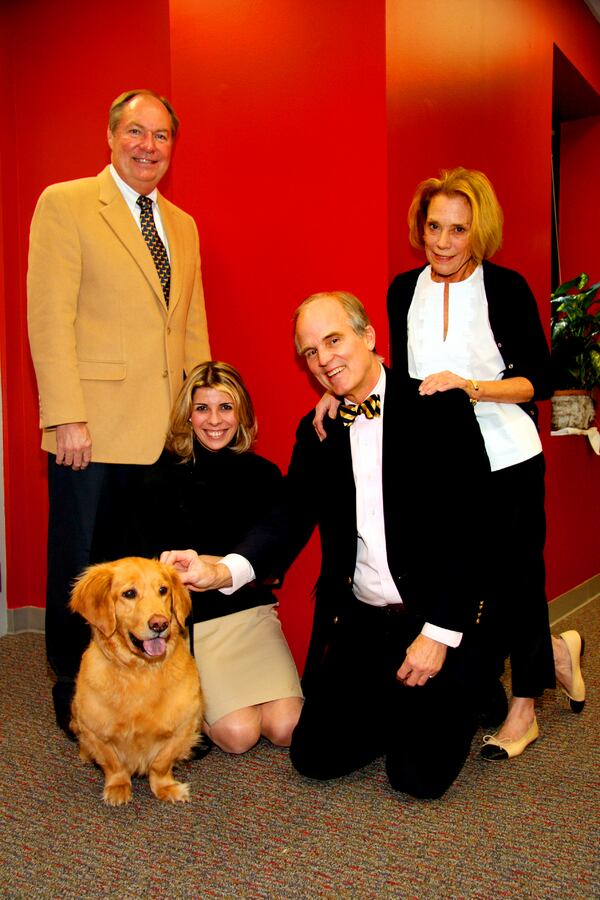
x=110, y=344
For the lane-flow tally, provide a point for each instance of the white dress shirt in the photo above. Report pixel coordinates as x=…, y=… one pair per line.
x=130, y=197
x=373, y=582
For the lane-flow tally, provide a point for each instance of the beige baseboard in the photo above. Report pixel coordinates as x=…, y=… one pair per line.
x=31, y=618
x=26, y=618
x=577, y=597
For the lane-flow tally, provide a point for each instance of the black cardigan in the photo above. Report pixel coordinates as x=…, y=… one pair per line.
x=514, y=320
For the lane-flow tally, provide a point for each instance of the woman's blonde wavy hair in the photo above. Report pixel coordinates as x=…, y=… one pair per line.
x=488, y=219
x=222, y=377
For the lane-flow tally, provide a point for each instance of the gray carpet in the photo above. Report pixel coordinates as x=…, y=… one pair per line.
x=254, y=828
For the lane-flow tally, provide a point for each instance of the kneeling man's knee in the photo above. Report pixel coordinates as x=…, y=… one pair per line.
x=418, y=782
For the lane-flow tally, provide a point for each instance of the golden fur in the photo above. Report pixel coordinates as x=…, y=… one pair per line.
x=138, y=704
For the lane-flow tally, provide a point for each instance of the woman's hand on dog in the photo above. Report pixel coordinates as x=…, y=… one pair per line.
x=198, y=573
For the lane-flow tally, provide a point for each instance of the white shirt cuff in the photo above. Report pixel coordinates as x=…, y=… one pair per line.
x=242, y=572
x=443, y=635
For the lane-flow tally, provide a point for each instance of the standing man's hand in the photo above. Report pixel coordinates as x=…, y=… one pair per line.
x=73, y=445
x=424, y=659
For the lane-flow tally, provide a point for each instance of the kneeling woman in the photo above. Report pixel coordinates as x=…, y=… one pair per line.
x=209, y=489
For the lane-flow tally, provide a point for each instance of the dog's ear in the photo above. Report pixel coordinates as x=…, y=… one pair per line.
x=91, y=598
x=182, y=602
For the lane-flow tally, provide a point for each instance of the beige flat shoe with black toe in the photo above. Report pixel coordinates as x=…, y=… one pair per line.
x=496, y=750
x=576, y=647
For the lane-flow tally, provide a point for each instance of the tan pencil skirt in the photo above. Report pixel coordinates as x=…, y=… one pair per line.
x=243, y=659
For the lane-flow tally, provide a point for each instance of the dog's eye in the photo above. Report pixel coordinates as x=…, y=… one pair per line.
x=129, y=594
x=163, y=589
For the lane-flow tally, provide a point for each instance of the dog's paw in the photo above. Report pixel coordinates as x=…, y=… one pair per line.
x=117, y=794
x=84, y=756
x=173, y=792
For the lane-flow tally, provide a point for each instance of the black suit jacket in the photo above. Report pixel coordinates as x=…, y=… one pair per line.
x=434, y=480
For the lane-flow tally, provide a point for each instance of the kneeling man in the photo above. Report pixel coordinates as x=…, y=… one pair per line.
x=393, y=661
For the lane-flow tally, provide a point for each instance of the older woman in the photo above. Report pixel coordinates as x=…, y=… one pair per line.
x=463, y=322
x=206, y=491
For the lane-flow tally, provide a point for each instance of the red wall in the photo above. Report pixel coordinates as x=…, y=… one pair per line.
x=299, y=177
x=56, y=113
x=283, y=164
x=573, y=477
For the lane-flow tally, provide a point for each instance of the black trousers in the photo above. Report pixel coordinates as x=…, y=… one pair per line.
x=89, y=522
x=516, y=615
x=356, y=710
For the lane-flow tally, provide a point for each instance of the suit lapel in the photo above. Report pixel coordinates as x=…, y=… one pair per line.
x=116, y=214
x=340, y=479
x=397, y=468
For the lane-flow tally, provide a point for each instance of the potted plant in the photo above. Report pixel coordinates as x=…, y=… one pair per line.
x=575, y=334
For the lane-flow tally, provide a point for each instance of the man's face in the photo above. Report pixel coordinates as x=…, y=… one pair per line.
x=142, y=143
x=341, y=360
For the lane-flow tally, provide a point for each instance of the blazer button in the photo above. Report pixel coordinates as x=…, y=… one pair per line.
x=510, y=366
x=349, y=580
x=499, y=343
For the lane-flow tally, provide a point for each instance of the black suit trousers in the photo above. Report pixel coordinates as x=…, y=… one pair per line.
x=356, y=709
x=89, y=521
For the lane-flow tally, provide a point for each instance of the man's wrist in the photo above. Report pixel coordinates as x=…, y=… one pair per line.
x=222, y=576
x=239, y=571
x=442, y=635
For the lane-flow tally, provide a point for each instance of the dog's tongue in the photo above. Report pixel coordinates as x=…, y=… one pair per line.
x=155, y=647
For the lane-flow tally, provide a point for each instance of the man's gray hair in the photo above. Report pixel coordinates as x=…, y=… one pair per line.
x=357, y=314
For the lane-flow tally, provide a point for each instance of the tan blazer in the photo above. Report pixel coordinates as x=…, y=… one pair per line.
x=105, y=348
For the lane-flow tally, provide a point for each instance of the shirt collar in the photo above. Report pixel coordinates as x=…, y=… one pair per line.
x=130, y=196
x=378, y=389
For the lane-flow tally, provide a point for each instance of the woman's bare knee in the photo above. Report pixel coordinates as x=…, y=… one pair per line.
x=236, y=732
x=279, y=718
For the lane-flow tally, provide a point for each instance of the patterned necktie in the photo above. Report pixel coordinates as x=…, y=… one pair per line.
x=370, y=408
x=155, y=245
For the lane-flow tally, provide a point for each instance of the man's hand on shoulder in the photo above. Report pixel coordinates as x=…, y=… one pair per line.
x=424, y=659
x=198, y=573
x=73, y=445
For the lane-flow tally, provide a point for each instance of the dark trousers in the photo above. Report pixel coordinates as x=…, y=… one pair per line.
x=356, y=710
x=516, y=615
x=88, y=523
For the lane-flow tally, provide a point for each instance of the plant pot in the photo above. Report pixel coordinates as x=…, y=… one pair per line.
x=572, y=409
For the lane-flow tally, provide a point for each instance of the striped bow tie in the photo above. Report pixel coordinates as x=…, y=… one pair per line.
x=371, y=408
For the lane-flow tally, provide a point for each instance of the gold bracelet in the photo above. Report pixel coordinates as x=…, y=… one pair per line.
x=475, y=385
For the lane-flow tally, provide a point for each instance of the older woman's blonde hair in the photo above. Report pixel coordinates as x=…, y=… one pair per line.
x=486, y=228
x=222, y=377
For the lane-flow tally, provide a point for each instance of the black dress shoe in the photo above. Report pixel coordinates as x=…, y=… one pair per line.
x=62, y=696
x=203, y=748
x=494, y=706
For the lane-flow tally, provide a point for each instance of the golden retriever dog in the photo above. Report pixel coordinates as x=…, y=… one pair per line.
x=138, y=706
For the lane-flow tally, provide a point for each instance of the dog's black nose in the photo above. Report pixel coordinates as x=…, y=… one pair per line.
x=158, y=624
